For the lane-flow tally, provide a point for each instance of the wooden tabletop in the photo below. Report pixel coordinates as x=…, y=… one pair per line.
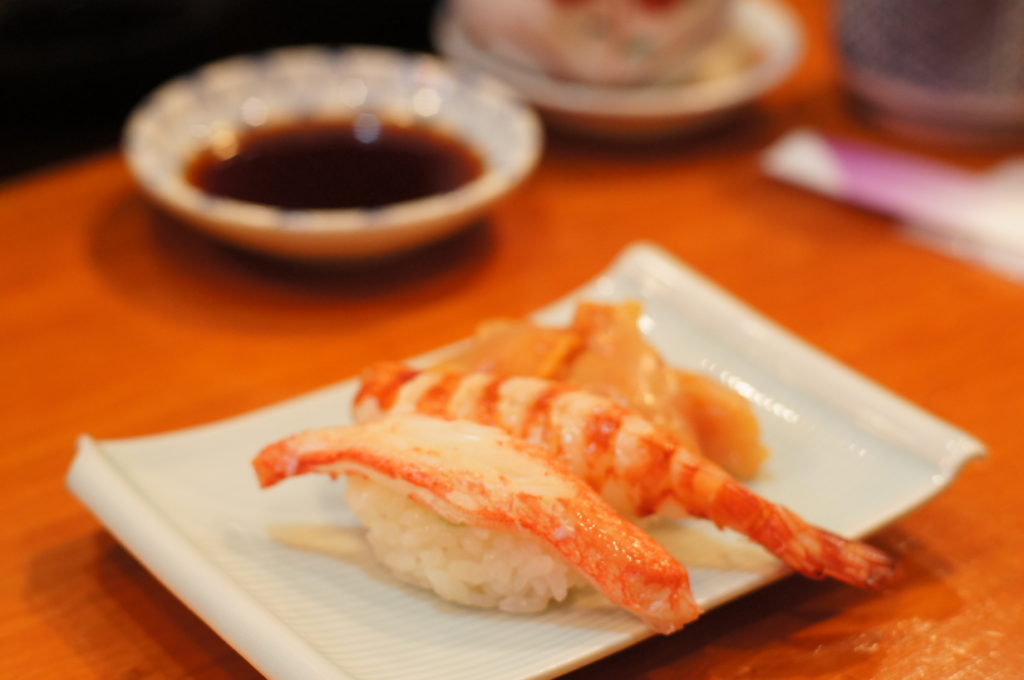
x=117, y=321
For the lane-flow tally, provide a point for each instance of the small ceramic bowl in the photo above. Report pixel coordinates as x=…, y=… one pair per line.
x=759, y=45
x=229, y=98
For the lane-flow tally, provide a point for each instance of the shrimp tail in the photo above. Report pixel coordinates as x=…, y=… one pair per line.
x=710, y=493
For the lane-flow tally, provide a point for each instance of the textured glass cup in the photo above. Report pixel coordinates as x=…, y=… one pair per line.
x=944, y=69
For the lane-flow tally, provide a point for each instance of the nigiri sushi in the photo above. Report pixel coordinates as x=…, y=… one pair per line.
x=639, y=468
x=485, y=519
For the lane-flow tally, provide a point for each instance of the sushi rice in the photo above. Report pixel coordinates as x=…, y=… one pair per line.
x=464, y=564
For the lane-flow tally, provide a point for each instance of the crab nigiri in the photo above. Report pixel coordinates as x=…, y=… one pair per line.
x=639, y=468
x=440, y=496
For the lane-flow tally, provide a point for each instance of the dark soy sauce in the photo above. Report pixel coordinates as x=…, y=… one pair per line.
x=361, y=163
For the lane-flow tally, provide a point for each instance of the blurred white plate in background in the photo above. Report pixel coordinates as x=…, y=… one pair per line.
x=760, y=47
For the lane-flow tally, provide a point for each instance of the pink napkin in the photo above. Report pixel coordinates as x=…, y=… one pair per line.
x=975, y=216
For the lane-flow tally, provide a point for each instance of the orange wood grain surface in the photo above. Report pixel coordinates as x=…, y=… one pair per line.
x=117, y=321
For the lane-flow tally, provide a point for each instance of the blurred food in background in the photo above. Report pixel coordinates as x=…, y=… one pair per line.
x=597, y=41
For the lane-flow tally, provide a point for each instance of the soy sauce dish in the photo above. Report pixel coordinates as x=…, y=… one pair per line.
x=317, y=152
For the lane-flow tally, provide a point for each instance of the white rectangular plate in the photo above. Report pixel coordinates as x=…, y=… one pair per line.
x=847, y=455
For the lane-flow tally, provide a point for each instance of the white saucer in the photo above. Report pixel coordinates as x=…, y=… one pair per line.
x=766, y=28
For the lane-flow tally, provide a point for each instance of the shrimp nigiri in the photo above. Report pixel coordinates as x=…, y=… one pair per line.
x=475, y=475
x=640, y=469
